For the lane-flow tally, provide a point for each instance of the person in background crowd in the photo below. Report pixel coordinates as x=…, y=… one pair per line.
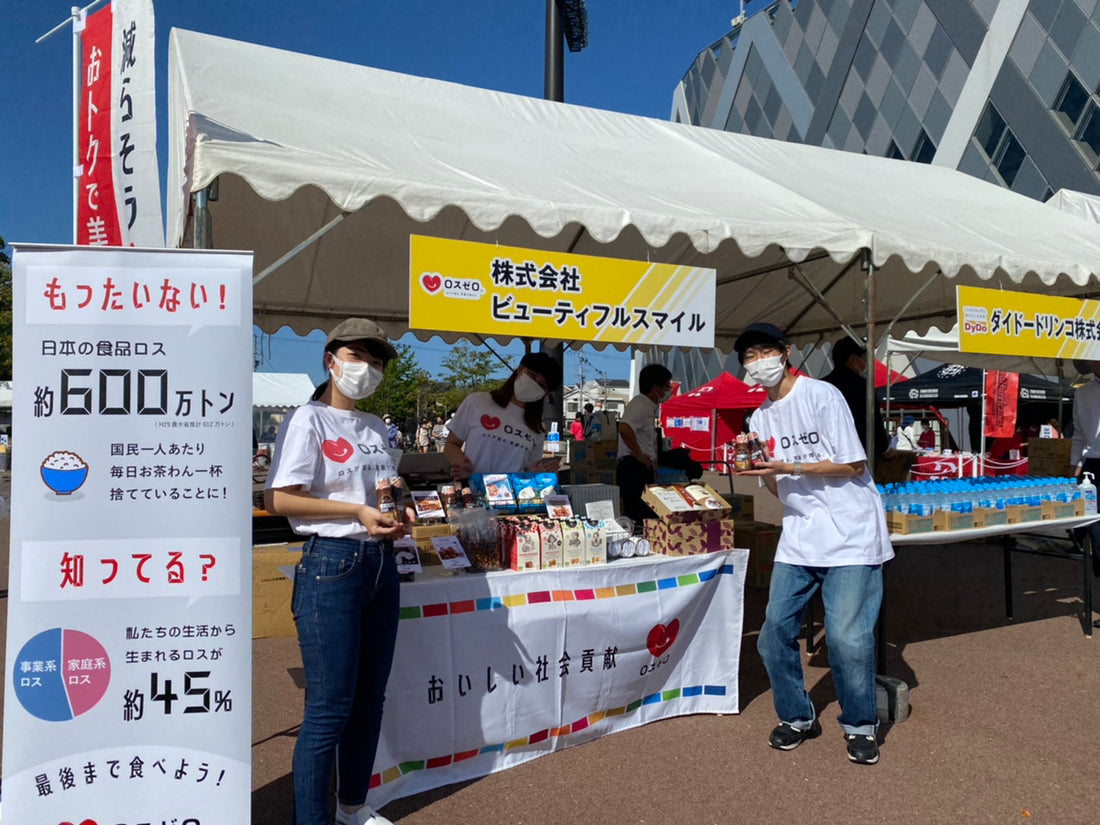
x=392, y=432
x=637, y=464
x=269, y=436
x=424, y=435
x=501, y=431
x=1084, y=454
x=834, y=539
x=849, y=375
x=576, y=429
x=345, y=599
x=907, y=437
x=439, y=434
x=1055, y=428
x=927, y=438
x=593, y=429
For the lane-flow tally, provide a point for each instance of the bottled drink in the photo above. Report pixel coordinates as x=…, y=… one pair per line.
x=741, y=457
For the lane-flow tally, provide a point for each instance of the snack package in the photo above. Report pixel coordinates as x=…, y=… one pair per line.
x=595, y=544
x=527, y=547
x=526, y=491
x=552, y=544
x=496, y=489
x=573, y=542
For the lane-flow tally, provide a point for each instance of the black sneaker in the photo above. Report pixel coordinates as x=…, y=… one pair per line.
x=862, y=748
x=786, y=737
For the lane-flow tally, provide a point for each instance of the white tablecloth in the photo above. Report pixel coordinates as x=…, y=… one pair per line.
x=496, y=669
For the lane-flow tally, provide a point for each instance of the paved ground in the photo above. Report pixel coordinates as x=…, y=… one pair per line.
x=1004, y=726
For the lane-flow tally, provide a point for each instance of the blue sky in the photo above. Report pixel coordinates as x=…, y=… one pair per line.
x=638, y=51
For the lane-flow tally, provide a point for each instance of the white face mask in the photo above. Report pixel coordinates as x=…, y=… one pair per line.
x=356, y=380
x=766, y=371
x=527, y=389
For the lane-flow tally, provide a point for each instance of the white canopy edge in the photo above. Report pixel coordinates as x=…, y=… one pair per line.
x=280, y=389
x=289, y=125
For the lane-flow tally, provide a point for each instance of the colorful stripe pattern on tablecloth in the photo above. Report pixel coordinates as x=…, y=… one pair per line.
x=397, y=771
x=517, y=600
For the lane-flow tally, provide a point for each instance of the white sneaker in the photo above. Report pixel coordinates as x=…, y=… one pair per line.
x=364, y=816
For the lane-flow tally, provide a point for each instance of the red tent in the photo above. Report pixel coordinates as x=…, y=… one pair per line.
x=706, y=419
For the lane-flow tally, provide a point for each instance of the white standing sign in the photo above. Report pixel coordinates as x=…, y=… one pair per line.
x=128, y=685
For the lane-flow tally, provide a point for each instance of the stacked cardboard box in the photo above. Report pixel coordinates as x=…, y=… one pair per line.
x=1048, y=456
x=761, y=539
x=272, y=589
x=742, y=507
x=593, y=462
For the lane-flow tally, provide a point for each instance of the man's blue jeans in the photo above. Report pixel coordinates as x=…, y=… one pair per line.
x=852, y=596
x=345, y=605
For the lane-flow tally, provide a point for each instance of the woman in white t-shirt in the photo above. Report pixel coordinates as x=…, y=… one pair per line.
x=329, y=458
x=501, y=431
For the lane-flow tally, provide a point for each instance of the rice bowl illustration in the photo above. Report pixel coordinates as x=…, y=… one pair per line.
x=64, y=472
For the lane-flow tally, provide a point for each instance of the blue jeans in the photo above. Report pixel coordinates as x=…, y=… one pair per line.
x=345, y=605
x=852, y=596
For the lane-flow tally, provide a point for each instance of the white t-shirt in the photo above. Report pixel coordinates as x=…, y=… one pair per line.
x=827, y=521
x=641, y=415
x=332, y=454
x=495, y=439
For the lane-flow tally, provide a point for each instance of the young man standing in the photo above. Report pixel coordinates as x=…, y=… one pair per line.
x=834, y=539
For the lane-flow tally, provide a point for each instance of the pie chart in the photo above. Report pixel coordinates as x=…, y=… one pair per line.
x=60, y=674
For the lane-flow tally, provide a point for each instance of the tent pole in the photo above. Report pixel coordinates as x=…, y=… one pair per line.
x=871, y=285
x=303, y=245
x=981, y=453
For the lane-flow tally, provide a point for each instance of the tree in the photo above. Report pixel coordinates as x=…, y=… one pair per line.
x=5, y=314
x=466, y=370
x=397, y=394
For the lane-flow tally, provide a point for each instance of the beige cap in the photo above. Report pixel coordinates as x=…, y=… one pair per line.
x=360, y=329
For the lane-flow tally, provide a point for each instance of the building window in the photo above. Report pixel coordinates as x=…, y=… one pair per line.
x=990, y=129
x=893, y=152
x=924, y=149
x=1070, y=102
x=1088, y=136
x=999, y=144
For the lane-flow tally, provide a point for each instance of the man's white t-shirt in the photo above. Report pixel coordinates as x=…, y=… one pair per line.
x=640, y=414
x=827, y=521
x=495, y=439
x=332, y=454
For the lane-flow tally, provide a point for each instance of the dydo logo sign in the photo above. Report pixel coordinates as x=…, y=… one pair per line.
x=976, y=320
x=468, y=289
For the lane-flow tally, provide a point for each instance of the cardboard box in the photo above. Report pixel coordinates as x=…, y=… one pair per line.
x=761, y=539
x=690, y=539
x=1048, y=456
x=907, y=523
x=990, y=517
x=272, y=590
x=742, y=507
x=1021, y=514
x=670, y=506
x=946, y=520
x=1063, y=509
x=590, y=477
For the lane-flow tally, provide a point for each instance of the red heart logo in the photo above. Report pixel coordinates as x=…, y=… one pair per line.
x=771, y=446
x=339, y=450
x=662, y=636
x=431, y=282
x=489, y=423
x=85, y=822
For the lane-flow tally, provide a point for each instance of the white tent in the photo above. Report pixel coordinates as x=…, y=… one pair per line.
x=280, y=389
x=332, y=166
x=942, y=346
x=1077, y=203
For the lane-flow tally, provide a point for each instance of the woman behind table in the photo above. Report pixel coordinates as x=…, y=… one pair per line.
x=501, y=431
x=328, y=460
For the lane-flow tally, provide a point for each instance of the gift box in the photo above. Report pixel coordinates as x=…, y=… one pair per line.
x=672, y=504
x=689, y=539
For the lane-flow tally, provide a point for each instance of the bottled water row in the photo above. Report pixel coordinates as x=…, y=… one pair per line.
x=963, y=495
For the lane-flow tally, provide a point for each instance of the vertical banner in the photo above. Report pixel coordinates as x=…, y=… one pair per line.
x=128, y=685
x=119, y=193
x=1002, y=393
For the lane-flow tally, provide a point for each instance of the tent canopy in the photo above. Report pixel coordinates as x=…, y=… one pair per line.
x=944, y=346
x=722, y=404
x=954, y=385
x=280, y=389
x=723, y=393
x=301, y=145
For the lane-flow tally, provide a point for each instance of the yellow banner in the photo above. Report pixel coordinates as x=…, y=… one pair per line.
x=461, y=286
x=996, y=322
